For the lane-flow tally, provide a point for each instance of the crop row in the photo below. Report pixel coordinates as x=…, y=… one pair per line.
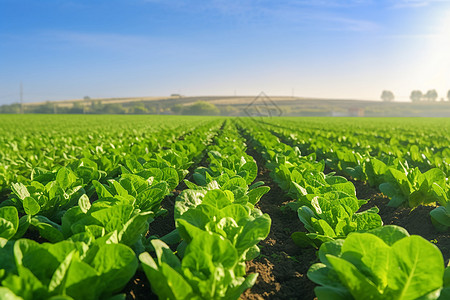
x=218, y=225
x=77, y=203
x=359, y=258
x=408, y=176
x=34, y=144
x=94, y=215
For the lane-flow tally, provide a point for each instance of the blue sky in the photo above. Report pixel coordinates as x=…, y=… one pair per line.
x=326, y=48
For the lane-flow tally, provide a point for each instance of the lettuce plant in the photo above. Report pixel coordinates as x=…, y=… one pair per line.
x=385, y=263
x=9, y=222
x=413, y=187
x=49, y=194
x=209, y=269
x=332, y=219
x=65, y=270
x=215, y=211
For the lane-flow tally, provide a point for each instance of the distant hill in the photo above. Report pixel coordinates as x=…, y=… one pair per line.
x=240, y=106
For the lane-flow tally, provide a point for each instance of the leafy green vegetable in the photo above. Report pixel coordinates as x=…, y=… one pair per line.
x=9, y=222
x=68, y=269
x=385, y=263
x=208, y=270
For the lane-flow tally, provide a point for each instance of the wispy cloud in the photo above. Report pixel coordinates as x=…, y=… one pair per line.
x=320, y=14
x=414, y=3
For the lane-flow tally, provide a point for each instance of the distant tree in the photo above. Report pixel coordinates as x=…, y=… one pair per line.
x=202, y=108
x=77, y=108
x=46, y=108
x=138, y=108
x=448, y=95
x=96, y=107
x=177, y=108
x=113, y=108
x=416, y=96
x=431, y=95
x=10, y=109
x=387, y=96
x=229, y=110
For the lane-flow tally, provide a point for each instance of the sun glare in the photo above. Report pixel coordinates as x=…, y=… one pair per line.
x=438, y=56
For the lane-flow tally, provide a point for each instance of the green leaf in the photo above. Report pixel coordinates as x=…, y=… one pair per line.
x=24, y=223
x=133, y=164
x=186, y=199
x=116, y=264
x=81, y=277
x=410, y=275
x=255, y=194
x=436, y=176
x=9, y=222
x=102, y=192
x=7, y=294
x=440, y=217
x=65, y=178
x=217, y=199
x=170, y=176
x=356, y=282
x=389, y=189
x=253, y=232
x=165, y=281
x=20, y=190
x=84, y=203
x=220, y=250
x=252, y=171
x=47, y=229
x=332, y=247
x=390, y=234
x=31, y=206
x=57, y=283
x=302, y=240
x=370, y=255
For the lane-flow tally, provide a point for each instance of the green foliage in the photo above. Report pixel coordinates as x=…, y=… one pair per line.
x=208, y=270
x=67, y=269
x=385, y=263
x=201, y=108
x=9, y=222
x=93, y=185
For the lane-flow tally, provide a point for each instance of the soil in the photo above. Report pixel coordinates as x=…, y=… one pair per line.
x=282, y=265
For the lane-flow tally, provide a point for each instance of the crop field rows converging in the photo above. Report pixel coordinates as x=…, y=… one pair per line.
x=165, y=207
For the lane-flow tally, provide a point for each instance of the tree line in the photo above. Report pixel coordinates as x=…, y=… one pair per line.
x=416, y=96
x=140, y=107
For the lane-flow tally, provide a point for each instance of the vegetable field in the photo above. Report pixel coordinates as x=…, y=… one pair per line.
x=170, y=207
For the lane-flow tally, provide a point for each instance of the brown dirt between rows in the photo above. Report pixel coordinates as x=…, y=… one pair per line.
x=282, y=265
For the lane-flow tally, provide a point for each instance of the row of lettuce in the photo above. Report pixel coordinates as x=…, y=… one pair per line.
x=359, y=257
x=95, y=219
x=218, y=226
x=34, y=142
x=410, y=176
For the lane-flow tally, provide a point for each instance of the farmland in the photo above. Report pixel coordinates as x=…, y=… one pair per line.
x=178, y=207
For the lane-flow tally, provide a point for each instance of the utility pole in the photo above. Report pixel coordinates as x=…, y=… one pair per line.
x=21, y=98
